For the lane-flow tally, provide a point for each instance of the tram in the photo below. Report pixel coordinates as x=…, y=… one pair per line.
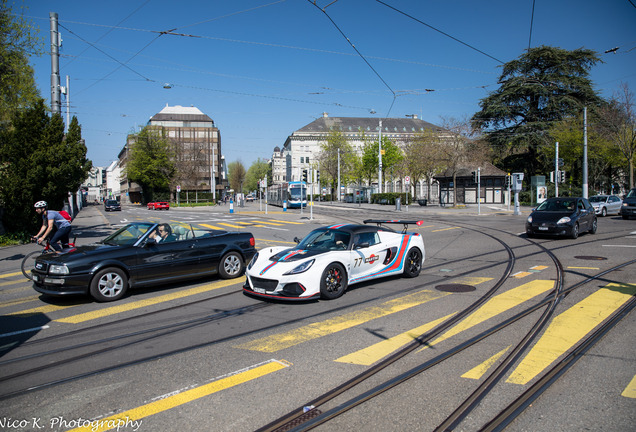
x=294, y=193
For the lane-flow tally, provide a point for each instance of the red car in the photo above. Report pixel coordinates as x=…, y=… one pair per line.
x=159, y=205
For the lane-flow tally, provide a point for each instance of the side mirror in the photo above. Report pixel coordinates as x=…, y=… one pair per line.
x=150, y=241
x=296, y=239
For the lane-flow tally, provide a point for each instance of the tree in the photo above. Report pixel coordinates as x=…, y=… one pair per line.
x=424, y=157
x=236, y=174
x=39, y=163
x=150, y=162
x=259, y=170
x=543, y=86
x=617, y=123
x=336, y=155
x=391, y=158
x=17, y=43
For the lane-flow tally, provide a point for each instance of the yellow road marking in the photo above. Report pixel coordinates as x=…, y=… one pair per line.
x=370, y=355
x=309, y=332
x=144, y=303
x=375, y=352
x=286, y=222
x=173, y=401
x=211, y=226
x=230, y=225
x=19, y=301
x=7, y=283
x=539, y=267
x=470, y=280
x=569, y=327
x=275, y=241
x=446, y=229
x=630, y=390
x=497, y=305
x=5, y=275
x=519, y=275
x=270, y=223
x=478, y=371
x=584, y=268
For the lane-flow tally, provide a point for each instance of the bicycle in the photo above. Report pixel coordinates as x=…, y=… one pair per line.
x=29, y=260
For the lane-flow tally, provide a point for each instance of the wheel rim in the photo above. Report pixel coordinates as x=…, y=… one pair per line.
x=414, y=262
x=604, y=212
x=333, y=280
x=232, y=265
x=110, y=285
x=576, y=231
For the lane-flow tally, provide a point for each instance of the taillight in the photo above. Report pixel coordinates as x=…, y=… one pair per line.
x=252, y=242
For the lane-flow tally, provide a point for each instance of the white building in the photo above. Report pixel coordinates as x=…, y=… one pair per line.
x=113, y=186
x=302, y=148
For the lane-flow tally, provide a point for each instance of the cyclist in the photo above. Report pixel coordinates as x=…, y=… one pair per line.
x=52, y=221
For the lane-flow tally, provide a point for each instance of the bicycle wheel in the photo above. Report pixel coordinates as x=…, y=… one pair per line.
x=28, y=263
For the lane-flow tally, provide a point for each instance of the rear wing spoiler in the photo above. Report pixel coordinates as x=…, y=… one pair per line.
x=405, y=223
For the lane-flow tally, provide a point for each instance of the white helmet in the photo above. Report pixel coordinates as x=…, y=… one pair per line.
x=40, y=204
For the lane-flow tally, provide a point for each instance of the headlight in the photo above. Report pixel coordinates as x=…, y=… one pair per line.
x=58, y=269
x=301, y=268
x=563, y=220
x=254, y=258
x=529, y=219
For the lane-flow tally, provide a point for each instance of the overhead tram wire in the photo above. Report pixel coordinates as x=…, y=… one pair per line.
x=440, y=31
x=356, y=50
x=531, y=26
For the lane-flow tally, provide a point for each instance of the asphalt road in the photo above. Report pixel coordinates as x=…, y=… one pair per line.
x=202, y=356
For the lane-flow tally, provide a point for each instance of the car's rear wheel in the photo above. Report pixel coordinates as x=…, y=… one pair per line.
x=413, y=263
x=333, y=282
x=231, y=265
x=109, y=284
x=594, y=226
x=575, y=231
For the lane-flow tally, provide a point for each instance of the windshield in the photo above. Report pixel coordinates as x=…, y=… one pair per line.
x=596, y=199
x=632, y=194
x=111, y=202
x=324, y=240
x=127, y=235
x=557, y=205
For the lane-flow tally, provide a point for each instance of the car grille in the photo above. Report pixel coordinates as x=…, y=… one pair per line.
x=266, y=284
x=41, y=267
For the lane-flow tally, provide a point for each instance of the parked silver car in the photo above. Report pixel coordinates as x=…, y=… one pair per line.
x=606, y=204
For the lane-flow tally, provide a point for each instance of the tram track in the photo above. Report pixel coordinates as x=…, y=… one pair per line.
x=301, y=419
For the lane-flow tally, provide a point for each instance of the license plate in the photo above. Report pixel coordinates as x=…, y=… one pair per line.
x=543, y=228
x=259, y=290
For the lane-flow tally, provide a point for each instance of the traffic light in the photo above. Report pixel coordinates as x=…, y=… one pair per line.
x=474, y=173
x=317, y=176
x=561, y=176
x=305, y=176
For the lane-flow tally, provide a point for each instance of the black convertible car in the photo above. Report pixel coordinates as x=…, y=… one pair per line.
x=142, y=254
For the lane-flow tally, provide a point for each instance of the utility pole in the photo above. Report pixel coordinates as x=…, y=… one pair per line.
x=380, y=158
x=56, y=105
x=585, y=192
x=338, y=175
x=556, y=171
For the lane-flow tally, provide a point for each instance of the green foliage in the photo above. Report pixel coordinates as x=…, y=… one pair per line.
x=335, y=145
x=259, y=170
x=389, y=198
x=17, y=42
x=543, y=86
x=236, y=174
x=150, y=162
x=39, y=163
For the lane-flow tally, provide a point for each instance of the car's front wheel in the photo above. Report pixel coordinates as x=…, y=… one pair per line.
x=413, y=263
x=109, y=284
x=333, y=282
x=604, y=212
x=231, y=265
x=575, y=231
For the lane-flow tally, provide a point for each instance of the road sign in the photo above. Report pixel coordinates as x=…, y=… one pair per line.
x=178, y=188
x=407, y=180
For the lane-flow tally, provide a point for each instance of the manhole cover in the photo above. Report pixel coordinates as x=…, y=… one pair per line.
x=455, y=288
x=591, y=258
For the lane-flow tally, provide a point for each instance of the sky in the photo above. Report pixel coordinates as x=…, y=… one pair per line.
x=262, y=69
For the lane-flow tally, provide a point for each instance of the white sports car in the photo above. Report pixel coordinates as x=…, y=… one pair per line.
x=331, y=258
